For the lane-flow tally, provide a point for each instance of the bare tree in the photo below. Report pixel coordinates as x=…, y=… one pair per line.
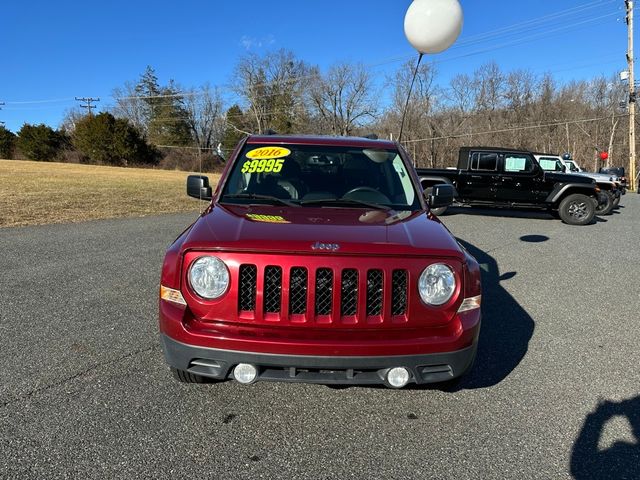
x=461, y=93
x=490, y=87
x=205, y=116
x=343, y=99
x=272, y=87
x=129, y=105
x=71, y=117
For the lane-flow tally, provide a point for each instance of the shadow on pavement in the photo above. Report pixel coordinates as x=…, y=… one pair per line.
x=620, y=460
x=506, y=327
x=534, y=238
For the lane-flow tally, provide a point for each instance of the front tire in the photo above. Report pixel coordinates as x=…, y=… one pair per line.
x=577, y=209
x=605, y=208
x=185, y=377
x=616, y=201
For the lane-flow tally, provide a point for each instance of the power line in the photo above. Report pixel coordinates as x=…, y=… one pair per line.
x=50, y=100
x=535, y=22
x=514, y=129
x=515, y=42
x=493, y=35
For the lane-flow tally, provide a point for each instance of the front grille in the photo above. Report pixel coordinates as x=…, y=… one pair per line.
x=247, y=287
x=374, y=292
x=354, y=303
x=349, y=292
x=298, y=291
x=324, y=291
x=272, y=289
x=399, y=292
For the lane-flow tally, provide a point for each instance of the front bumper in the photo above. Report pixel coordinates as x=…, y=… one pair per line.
x=362, y=370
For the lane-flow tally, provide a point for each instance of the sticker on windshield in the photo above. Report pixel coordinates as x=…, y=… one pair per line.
x=263, y=166
x=267, y=153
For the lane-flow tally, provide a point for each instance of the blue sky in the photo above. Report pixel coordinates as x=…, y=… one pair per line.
x=54, y=51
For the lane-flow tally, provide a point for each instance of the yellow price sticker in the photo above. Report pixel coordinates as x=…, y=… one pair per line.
x=267, y=218
x=263, y=166
x=267, y=153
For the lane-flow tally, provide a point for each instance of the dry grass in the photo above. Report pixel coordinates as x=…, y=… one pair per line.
x=34, y=193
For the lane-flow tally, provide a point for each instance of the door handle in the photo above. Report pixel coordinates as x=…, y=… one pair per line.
x=507, y=178
x=476, y=177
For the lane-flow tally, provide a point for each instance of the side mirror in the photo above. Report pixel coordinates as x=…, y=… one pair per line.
x=440, y=195
x=198, y=187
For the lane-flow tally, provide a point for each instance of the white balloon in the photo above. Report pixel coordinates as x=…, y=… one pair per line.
x=432, y=26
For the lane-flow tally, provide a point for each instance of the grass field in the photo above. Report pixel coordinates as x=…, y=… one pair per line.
x=34, y=193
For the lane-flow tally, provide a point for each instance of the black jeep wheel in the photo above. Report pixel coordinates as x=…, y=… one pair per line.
x=577, y=209
x=606, y=207
x=186, y=377
x=616, y=201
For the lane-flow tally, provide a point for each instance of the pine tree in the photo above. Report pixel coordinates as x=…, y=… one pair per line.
x=165, y=114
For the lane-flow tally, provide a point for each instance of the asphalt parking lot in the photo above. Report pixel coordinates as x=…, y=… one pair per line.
x=555, y=392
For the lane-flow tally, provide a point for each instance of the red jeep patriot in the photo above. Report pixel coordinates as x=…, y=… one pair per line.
x=318, y=260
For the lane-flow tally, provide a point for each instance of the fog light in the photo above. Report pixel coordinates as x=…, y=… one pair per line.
x=398, y=377
x=245, y=373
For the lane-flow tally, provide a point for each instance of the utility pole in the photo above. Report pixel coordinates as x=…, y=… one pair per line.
x=87, y=104
x=1, y=104
x=632, y=99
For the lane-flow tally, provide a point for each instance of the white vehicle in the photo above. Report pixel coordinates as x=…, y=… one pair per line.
x=609, y=184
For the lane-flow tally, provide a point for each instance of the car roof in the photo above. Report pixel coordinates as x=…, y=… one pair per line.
x=539, y=154
x=327, y=140
x=499, y=149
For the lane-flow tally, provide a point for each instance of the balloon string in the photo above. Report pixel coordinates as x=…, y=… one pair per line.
x=406, y=105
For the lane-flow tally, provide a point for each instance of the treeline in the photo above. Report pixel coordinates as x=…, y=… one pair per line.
x=173, y=127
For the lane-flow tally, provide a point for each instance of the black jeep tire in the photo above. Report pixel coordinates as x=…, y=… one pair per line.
x=577, y=209
x=605, y=208
x=616, y=201
x=439, y=211
x=185, y=377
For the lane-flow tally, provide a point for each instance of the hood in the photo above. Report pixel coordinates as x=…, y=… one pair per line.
x=349, y=231
x=600, y=176
x=568, y=178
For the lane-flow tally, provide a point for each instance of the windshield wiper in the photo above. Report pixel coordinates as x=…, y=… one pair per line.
x=345, y=202
x=258, y=196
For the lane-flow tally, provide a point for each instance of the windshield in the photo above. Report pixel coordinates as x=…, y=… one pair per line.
x=315, y=175
x=550, y=164
x=572, y=166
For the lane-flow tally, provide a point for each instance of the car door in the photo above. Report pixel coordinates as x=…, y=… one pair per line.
x=479, y=181
x=520, y=178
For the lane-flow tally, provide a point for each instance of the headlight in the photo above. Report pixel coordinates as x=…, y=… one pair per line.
x=209, y=277
x=437, y=284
